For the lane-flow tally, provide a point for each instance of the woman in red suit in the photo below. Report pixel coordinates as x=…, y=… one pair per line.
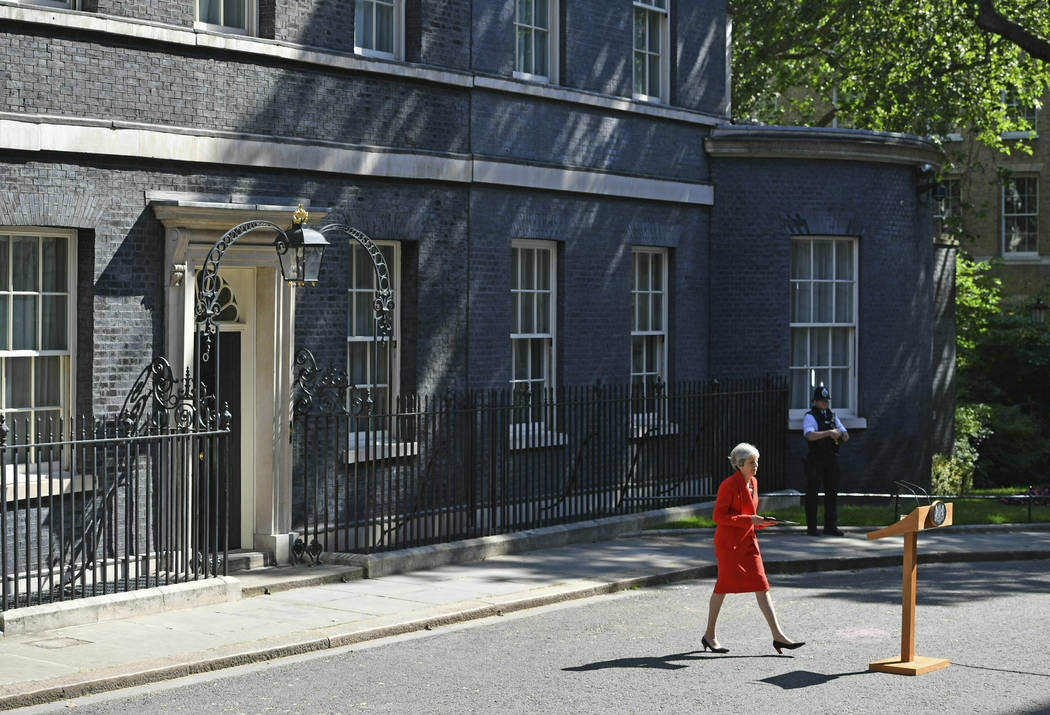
x=740, y=567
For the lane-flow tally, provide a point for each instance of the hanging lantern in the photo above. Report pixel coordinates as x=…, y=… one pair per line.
x=300, y=250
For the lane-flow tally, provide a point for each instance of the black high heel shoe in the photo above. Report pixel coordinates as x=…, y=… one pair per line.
x=790, y=646
x=708, y=647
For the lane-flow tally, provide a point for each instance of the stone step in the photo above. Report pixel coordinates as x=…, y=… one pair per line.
x=244, y=560
x=274, y=579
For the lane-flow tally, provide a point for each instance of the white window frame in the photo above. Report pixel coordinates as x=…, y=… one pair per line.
x=545, y=340
x=553, y=34
x=397, y=42
x=654, y=299
x=658, y=11
x=1005, y=217
x=949, y=209
x=368, y=294
x=649, y=421
x=57, y=481
x=251, y=20
x=1022, y=111
x=383, y=445
x=813, y=368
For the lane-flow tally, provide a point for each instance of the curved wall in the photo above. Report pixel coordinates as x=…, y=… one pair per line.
x=773, y=184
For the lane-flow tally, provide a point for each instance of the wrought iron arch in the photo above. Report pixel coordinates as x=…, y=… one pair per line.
x=382, y=305
x=208, y=307
x=329, y=392
x=384, y=300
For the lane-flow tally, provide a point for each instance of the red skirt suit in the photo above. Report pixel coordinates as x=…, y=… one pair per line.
x=740, y=567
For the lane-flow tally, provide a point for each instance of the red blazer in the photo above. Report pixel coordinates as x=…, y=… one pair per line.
x=735, y=506
x=740, y=566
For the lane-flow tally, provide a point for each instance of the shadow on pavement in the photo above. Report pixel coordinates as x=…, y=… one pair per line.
x=806, y=679
x=938, y=584
x=665, y=662
x=1000, y=670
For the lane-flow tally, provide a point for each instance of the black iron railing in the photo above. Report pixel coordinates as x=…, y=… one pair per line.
x=92, y=507
x=429, y=470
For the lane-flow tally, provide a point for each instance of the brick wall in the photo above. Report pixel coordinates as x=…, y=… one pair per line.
x=67, y=74
x=430, y=222
x=699, y=72
x=598, y=47
x=761, y=205
x=943, y=352
x=594, y=239
x=121, y=278
x=171, y=12
x=526, y=129
x=728, y=268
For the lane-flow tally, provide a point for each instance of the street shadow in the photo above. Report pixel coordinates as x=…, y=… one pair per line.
x=806, y=679
x=664, y=662
x=939, y=584
x=1000, y=670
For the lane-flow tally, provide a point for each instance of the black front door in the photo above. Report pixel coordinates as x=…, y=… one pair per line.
x=228, y=502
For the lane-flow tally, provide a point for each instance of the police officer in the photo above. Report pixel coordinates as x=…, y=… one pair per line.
x=823, y=432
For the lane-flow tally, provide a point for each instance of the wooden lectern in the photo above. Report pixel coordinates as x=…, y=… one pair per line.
x=923, y=517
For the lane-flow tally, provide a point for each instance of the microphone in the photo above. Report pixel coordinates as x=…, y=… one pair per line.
x=914, y=489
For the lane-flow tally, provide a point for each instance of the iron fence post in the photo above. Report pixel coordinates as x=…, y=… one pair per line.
x=3, y=511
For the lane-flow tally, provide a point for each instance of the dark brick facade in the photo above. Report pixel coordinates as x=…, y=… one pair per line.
x=729, y=261
x=943, y=353
x=764, y=203
x=539, y=131
x=598, y=58
x=62, y=74
x=593, y=307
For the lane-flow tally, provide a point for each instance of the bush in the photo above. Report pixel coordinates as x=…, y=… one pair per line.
x=953, y=474
x=1015, y=452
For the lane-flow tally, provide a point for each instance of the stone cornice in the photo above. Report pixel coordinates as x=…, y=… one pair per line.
x=78, y=136
x=771, y=142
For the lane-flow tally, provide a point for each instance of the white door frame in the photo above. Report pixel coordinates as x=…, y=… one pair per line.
x=242, y=284
x=192, y=228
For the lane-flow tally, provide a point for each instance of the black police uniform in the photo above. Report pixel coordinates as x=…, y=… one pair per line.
x=822, y=466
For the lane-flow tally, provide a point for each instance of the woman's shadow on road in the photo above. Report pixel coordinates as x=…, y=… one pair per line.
x=663, y=662
x=676, y=661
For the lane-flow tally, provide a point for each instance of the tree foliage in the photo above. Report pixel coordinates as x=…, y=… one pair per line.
x=953, y=473
x=977, y=299
x=926, y=67
x=1003, y=361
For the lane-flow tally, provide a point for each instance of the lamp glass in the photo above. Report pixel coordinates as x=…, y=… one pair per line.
x=289, y=264
x=312, y=262
x=303, y=250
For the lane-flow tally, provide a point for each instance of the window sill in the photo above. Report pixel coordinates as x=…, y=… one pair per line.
x=1031, y=134
x=535, y=436
x=221, y=29
x=850, y=422
x=647, y=98
x=379, y=448
x=1019, y=257
x=374, y=54
x=533, y=78
x=652, y=426
x=31, y=487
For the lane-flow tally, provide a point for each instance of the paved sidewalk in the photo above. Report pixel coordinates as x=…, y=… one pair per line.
x=74, y=661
